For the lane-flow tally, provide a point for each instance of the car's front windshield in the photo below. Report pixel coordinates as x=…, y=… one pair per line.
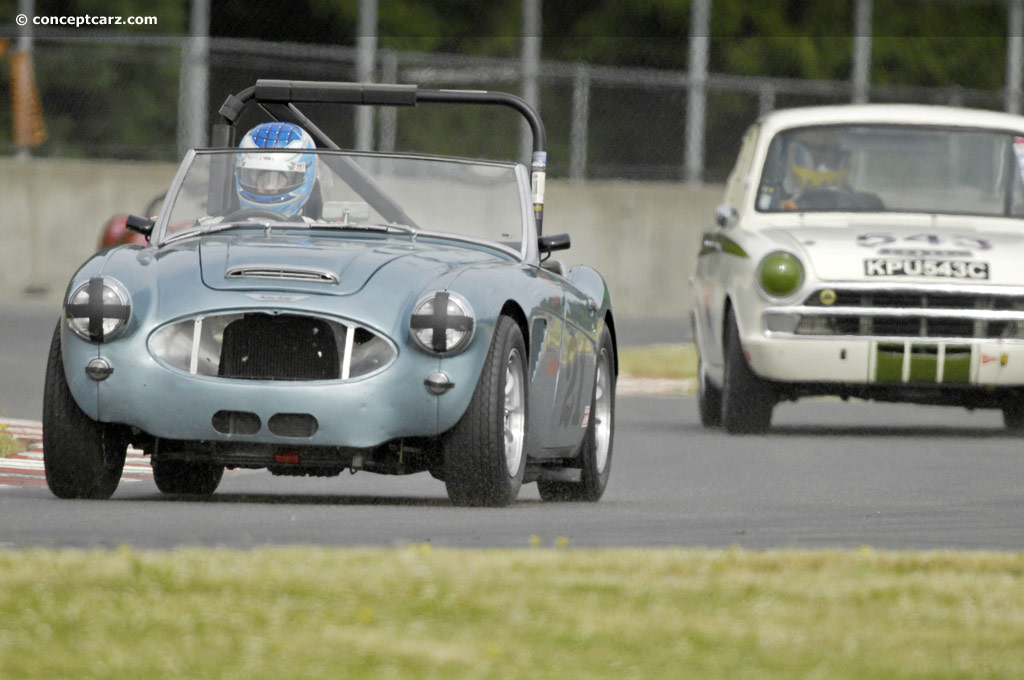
x=222, y=189
x=894, y=168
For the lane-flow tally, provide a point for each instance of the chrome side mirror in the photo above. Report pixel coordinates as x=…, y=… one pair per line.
x=725, y=215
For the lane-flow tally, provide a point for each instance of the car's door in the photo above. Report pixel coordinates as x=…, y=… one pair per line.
x=570, y=409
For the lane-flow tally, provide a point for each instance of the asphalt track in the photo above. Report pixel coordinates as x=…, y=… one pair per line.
x=830, y=474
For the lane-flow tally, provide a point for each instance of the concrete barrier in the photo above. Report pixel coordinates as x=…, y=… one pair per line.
x=642, y=236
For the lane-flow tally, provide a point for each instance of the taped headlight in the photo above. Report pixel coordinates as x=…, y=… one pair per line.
x=442, y=323
x=98, y=310
x=780, y=274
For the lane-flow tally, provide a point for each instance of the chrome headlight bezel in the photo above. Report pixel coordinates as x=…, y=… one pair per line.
x=98, y=323
x=442, y=333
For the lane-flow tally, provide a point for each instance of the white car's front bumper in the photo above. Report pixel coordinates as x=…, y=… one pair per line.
x=853, y=360
x=863, y=334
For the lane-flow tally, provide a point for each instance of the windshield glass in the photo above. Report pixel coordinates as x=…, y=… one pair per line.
x=890, y=168
x=327, y=189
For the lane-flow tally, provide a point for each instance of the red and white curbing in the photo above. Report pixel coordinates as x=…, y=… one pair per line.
x=25, y=469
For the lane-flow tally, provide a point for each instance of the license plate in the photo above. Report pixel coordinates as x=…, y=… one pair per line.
x=950, y=269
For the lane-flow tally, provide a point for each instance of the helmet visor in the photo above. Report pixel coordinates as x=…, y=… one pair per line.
x=269, y=182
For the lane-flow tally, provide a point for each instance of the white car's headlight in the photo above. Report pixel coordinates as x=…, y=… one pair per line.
x=442, y=323
x=780, y=274
x=98, y=309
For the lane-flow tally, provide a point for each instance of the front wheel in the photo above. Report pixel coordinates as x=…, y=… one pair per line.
x=709, y=399
x=82, y=458
x=484, y=458
x=184, y=477
x=747, y=400
x=596, y=449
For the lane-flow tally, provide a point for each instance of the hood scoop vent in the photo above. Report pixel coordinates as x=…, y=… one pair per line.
x=282, y=274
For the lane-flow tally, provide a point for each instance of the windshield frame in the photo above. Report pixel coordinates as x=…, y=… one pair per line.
x=527, y=250
x=1006, y=193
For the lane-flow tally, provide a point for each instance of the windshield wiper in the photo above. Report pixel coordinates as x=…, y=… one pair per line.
x=364, y=226
x=247, y=224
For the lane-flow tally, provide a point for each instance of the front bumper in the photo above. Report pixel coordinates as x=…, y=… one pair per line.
x=892, y=361
x=359, y=413
x=898, y=334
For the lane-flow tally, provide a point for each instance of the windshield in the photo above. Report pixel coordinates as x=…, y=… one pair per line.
x=891, y=168
x=341, y=190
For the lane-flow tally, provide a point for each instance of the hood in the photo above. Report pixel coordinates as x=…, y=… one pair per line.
x=909, y=249
x=325, y=266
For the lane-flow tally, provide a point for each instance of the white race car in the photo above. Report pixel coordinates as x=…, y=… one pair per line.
x=872, y=251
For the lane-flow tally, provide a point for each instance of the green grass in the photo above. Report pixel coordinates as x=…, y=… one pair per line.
x=9, y=445
x=659, y=361
x=418, y=612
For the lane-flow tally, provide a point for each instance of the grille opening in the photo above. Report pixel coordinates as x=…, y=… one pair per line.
x=267, y=346
x=943, y=314
x=281, y=347
x=236, y=422
x=895, y=326
x=293, y=425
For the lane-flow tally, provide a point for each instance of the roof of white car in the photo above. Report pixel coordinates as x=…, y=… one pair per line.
x=898, y=114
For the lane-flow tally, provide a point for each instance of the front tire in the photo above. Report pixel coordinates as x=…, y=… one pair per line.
x=186, y=478
x=709, y=399
x=82, y=458
x=747, y=400
x=596, y=449
x=484, y=458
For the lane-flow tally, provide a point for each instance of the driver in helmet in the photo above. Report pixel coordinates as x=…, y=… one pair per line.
x=279, y=182
x=815, y=168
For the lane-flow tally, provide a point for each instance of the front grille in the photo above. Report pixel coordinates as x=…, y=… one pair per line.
x=267, y=346
x=903, y=312
x=282, y=347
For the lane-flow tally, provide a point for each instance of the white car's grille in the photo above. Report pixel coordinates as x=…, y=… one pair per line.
x=902, y=312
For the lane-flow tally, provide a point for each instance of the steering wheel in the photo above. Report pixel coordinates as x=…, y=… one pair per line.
x=826, y=198
x=253, y=213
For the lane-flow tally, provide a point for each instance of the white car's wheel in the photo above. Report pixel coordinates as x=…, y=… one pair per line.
x=1013, y=416
x=709, y=399
x=747, y=400
x=484, y=458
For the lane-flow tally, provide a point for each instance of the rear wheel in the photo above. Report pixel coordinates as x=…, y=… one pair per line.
x=484, y=458
x=747, y=400
x=186, y=477
x=83, y=458
x=596, y=449
x=1013, y=416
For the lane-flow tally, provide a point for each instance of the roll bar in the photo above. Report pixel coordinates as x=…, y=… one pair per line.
x=279, y=97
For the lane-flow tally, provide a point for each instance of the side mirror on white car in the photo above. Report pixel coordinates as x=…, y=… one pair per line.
x=725, y=214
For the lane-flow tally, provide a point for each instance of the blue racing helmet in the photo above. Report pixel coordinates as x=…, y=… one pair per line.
x=276, y=180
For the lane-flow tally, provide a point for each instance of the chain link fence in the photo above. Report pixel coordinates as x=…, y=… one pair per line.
x=119, y=98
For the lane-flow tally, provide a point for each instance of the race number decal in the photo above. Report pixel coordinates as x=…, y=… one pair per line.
x=950, y=269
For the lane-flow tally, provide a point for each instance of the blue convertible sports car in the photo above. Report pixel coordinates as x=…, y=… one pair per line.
x=309, y=310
